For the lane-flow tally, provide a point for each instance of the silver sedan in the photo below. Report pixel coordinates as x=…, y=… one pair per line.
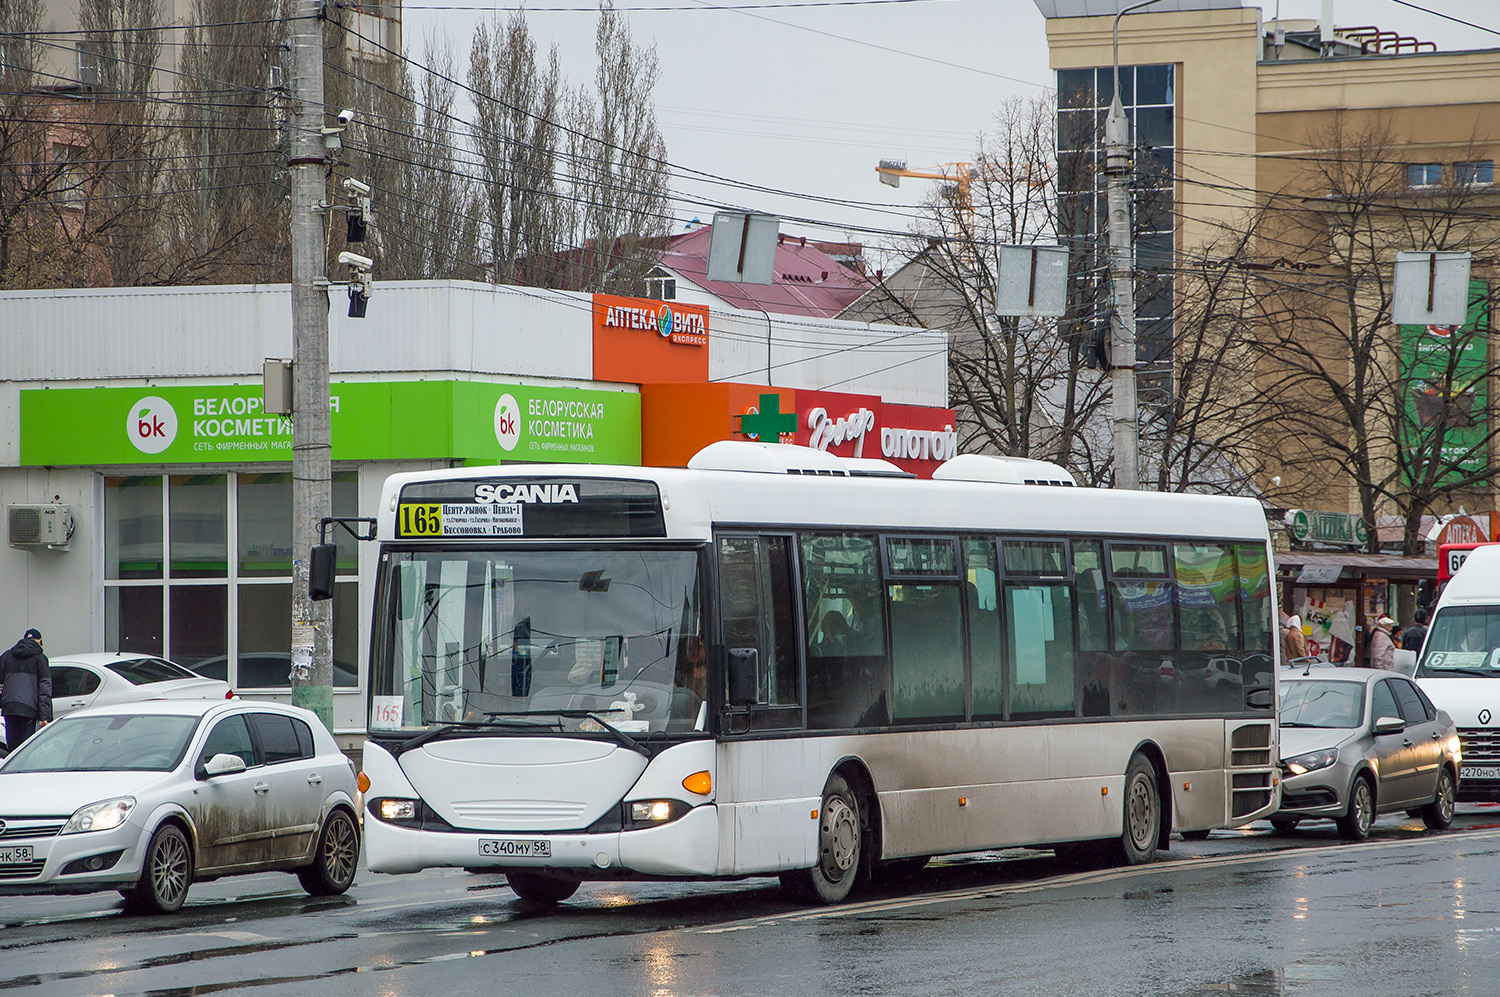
x=146, y=798
x=1358, y=742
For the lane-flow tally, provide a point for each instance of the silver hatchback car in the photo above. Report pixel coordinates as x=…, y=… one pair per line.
x=1357, y=742
x=146, y=798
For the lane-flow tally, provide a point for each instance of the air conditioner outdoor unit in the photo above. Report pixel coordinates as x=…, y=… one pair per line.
x=39, y=525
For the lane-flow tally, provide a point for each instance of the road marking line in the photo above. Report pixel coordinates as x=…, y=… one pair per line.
x=1072, y=879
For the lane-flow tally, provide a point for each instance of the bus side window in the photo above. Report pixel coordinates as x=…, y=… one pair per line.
x=848, y=675
x=756, y=605
x=1144, y=682
x=985, y=676
x=1094, y=659
x=1039, y=611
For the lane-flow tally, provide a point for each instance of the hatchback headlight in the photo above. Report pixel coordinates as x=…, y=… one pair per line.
x=102, y=816
x=1311, y=761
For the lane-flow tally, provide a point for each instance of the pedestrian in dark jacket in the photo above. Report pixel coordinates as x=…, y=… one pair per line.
x=1416, y=635
x=26, y=696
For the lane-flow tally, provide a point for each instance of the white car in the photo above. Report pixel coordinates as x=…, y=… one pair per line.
x=104, y=678
x=149, y=797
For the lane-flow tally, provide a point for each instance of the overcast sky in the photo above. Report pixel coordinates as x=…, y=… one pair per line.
x=807, y=100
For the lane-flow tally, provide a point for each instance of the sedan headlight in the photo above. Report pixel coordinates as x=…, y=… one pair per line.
x=102, y=816
x=1311, y=761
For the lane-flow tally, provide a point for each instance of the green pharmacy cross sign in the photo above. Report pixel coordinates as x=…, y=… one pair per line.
x=769, y=421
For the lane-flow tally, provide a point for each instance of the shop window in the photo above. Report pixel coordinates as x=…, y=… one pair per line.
x=982, y=594
x=200, y=623
x=224, y=590
x=199, y=506
x=133, y=619
x=132, y=527
x=265, y=524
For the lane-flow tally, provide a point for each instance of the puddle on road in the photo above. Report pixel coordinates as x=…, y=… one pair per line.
x=1278, y=982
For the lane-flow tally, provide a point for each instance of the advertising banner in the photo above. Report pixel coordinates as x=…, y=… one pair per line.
x=370, y=420
x=1444, y=370
x=681, y=419
x=637, y=340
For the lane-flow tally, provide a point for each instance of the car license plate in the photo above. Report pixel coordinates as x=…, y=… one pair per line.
x=1479, y=772
x=515, y=848
x=15, y=855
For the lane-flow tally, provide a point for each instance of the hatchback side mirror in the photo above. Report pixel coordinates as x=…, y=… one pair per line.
x=1389, y=725
x=221, y=764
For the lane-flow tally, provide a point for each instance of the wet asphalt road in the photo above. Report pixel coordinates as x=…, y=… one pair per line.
x=1246, y=912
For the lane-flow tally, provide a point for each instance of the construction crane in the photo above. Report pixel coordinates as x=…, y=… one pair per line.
x=958, y=177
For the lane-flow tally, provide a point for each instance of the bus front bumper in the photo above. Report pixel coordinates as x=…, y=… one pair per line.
x=688, y=846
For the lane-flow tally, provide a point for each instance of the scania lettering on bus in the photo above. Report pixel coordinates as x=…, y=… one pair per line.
x=546, y=494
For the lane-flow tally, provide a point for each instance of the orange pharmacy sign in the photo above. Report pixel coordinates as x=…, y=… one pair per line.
x=640, y=340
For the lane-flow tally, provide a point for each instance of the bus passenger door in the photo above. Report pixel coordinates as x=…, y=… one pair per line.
x=757, y=613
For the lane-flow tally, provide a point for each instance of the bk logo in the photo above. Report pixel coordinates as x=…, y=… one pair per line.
x=151, y=424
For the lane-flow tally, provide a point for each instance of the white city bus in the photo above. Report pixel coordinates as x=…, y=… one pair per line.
x=778, y=662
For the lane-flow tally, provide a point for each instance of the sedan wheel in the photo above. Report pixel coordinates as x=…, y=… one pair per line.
x=1355, y=825
x=1438, y=815
x=166, y=875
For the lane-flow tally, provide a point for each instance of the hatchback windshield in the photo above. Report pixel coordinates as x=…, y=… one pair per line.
x=540, y=638
x=152, y=743
x=1313, y=703
x=1464, y=640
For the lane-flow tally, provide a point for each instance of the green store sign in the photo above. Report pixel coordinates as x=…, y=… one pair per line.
x=469, y=421
x=1328, y=527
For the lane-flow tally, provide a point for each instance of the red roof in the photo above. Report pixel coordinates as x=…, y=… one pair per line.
x=805, y=281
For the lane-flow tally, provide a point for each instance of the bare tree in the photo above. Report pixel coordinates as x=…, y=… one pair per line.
x=1361, y=419
x=618, y=215
x=515, y=131
x=1021, y=386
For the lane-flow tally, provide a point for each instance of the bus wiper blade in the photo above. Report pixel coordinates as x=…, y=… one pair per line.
x=620, y=735
x=449, y=728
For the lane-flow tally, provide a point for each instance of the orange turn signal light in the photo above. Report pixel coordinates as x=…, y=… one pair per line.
x=699, y=782
x=363, y=782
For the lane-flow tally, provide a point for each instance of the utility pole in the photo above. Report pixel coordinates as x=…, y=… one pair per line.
x=312, y=631
x=1118, y=156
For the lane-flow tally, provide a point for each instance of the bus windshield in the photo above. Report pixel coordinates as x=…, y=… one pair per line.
x=558, y=639
x=1464, y=640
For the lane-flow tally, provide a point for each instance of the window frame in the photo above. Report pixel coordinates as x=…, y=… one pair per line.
x=759, y=717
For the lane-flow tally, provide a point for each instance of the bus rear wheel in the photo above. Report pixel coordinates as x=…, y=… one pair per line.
x=540, y=888
x=840, y=849
x=1142, y=812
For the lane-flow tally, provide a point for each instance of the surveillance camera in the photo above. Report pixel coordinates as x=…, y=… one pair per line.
x=346, y=115
x=356, y=261
x=355, y=186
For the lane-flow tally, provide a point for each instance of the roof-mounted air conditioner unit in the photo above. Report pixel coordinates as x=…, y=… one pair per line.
x=39, y=525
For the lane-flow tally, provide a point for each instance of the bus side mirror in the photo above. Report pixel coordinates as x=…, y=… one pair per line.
x=744, y=664
x=320, y=570
x=1259, y=698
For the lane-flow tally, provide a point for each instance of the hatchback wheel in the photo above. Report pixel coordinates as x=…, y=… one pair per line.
x=166, y=874
x=332, y=869
x=1438, y=814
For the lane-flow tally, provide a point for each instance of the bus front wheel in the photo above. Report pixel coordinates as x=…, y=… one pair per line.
x=1142, y=812
x=540, y=888
x=840, y=847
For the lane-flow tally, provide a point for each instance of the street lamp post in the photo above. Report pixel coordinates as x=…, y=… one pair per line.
x=1118, y=156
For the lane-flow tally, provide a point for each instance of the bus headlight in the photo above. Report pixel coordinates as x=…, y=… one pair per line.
x=1311, y=761
x=395, y=810
x=649, y=813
